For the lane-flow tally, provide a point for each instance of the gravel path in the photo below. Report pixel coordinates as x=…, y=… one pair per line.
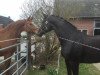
x=97, y=65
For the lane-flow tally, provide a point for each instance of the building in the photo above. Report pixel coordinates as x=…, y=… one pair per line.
x=4, y=21
x=84, y=14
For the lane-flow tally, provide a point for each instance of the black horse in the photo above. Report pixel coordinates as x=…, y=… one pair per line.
x=74, y=53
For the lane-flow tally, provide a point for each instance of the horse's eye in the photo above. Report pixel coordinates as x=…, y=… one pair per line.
x=46, y=22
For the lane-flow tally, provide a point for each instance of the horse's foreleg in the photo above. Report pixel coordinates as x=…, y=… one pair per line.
x=75, y=68
x=68, y=65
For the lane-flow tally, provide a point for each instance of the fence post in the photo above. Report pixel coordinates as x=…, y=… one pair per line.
x=25, y=38
x=29, y=51
x=26, y=41
x=28, y=35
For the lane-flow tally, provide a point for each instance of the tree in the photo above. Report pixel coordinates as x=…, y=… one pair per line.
x=49, y=47
x=68, y=8
x=36, y=8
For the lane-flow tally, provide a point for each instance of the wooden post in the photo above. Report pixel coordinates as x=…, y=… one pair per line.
x=29, y=51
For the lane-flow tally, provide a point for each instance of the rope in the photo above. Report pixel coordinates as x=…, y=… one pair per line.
x=9, y=40
x=79, y=43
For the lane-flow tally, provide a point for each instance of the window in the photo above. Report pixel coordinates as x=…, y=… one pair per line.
x=97, y=23
x=83, y=31
x=79, y=30
x=97, y=32
x=97, y=27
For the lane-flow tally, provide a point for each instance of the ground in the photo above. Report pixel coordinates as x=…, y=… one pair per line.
x=85, y=69
x=97, y=65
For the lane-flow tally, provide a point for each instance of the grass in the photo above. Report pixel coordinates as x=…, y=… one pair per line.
x=85, y=69
x=88, y=69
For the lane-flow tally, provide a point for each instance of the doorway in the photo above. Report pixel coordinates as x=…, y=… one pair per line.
x=97, y=32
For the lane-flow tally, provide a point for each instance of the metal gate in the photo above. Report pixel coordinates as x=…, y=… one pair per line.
x=19, y=63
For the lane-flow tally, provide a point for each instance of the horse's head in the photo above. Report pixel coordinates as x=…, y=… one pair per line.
x=29, y=27
x=46, y=26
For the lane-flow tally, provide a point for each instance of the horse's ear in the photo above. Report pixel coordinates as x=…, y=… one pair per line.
x=30, y=18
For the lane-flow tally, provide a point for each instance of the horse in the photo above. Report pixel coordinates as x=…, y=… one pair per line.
x=76, y=47
x=12, y=32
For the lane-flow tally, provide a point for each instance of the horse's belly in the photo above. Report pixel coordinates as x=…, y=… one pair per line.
x=90, y=60
x=91, y=56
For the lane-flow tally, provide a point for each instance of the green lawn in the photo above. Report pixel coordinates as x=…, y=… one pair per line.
x=85, y=69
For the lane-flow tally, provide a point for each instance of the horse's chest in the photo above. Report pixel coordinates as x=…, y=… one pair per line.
x=71, y=51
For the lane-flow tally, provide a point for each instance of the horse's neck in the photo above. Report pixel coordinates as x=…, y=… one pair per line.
x=62, y=27
x=13, y=31
x=64, y=32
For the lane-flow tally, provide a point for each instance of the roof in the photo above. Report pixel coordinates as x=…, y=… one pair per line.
x=5, y=20
x=77, y=8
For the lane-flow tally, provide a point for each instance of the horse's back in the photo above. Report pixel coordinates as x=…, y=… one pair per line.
x=93, y=41
x=91, y=54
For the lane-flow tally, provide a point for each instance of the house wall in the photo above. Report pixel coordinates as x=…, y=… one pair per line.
x=84, y=24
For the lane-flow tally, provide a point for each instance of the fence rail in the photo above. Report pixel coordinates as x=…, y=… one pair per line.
x=20, y=67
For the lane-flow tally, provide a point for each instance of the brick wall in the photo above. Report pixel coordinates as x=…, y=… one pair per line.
x=84, y=24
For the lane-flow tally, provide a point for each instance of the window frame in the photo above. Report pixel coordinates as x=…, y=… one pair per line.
x=83, y=30
x=96, y=21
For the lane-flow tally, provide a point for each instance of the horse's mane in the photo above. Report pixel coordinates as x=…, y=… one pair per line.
x=65, y=21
